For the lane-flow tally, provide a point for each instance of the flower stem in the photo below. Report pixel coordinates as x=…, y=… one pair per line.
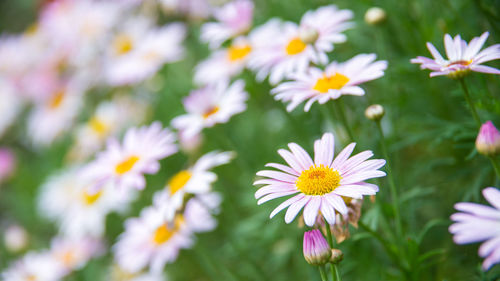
x=392, y=185
x=340, y=108
x=495, y=166
x=322, y=272
x=337, y=272
x=469, y=101
x=333, y=268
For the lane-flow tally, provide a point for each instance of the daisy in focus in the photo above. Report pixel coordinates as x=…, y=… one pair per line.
x=462, y=57
x=65, y=199
x=322, y=185
x=123, y=165
x=193, y=180
x=39, y=266
x=336, y=80
x=477, y=223
x=285, y=48
x=233, y=19
x=210, y=105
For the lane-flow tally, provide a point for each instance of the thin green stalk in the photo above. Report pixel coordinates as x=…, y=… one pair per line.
x=469, y=101
x=329, y=237
x=337, y=273
x=495, y=166
x=339, y=103
x=322, y=272
x=392, y=185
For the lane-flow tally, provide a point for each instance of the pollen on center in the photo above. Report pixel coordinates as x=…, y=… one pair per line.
x=123, y=44
x=178, y=181
x=333, y=82
x=126, y=165
x=211, y=111
x=165, y=231
x=90, y=199
x=295, y=46
x=318, y=180
x=236, y=53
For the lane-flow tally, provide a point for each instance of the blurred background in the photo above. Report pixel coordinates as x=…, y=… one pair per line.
x=429, y=130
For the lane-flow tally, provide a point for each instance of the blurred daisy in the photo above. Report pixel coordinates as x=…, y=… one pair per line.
x=55, y=115
x=224, y=64
x=194, y=180
x=477, y=223
x=39, y=266
x=10, y=105
x=285, y=48
x=119, y=274
x=462, y=57
x=321, y=184
x=124, y=165
x=233, y=19
x=73, y=254
x=65, y=199
x=211, y=105
x=194, y=9
x=338, y=79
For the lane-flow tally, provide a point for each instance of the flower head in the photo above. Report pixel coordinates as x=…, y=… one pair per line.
x=462, y=57
x=476, y=223
x=488, y=140
x=74, y=253
x=316, y=249
x=321, y=184
x=16, y=238
x=39, y=266
x=336, y=80
x=375, y=112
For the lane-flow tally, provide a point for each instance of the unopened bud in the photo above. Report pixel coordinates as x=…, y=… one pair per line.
x=375, y=15
x=337, y=256
x=375, y=112
x=316, y=249
x=15, y=238
x=308, y=35
x=488, y=140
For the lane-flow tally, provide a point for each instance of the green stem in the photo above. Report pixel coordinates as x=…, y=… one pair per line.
x=337, y=272
x=392, y=185
x=469, y=101
x=329, y=234
x=495, y=166
x=339, y=103
x=322, y=272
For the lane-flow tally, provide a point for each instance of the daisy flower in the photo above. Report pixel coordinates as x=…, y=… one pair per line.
x=336, y=80
x=210, y=105
x=462, y=57
x=124, y=164
x=10, y=106
x=73, y=253
x=224, y=64
x=119, y=274
x=39, y=266
x=321, y=185
x=477, y=223
x=233, y=19
x=193, y=180
x=66, y=199
x=284, y=48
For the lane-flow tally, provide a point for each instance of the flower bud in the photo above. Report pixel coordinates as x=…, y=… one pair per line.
x=316, y=249
x=337, y=256
x=15, y=238
x=488, y=140
x=375, y=112
x=375, y=15
x=308, y=35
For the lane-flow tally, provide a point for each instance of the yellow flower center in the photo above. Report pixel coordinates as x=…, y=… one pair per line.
x=90, y=199
x=123, y=44
x=126, y=165
x=178, y=181
x=210, y=112
x=295, y=46
x=98, y=126
x=460, y=62
x=164, y=232
x=334, y=82
x=236, y=53
x=318, y=180
x=31, y=277
x=68, y=258
x=56, y=100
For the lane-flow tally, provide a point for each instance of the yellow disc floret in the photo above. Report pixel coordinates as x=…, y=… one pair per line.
x=295, y=46
x=126, y=165
x=334, y=82
x=90, y=199
x=210, y=112
x=178, y=181
x=236, y=53
x=318, y=180
x=164, y=232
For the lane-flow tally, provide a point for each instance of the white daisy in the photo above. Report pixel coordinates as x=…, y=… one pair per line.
x=73, y=254
x=39, y=266
x=211, y=105
x=10, y=106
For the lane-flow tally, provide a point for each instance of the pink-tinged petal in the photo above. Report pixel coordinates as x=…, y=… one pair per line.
x=489, y=246
x=354, y=161
x=283, y=168
x=439, y=73
x=269, y=181
x=286, y=204
x=291, y=160
x=337, y=202
x=295, y=208
x=363, y=190
x=492, y=195
x=272, y=189
x=303, y=157
x=484, y=69
x=475, y=45
x=362, y=176
x=324, y=150
x=492, y=259
x=368, y=165
x=343, y=155
x=277, y=176
x=450, y=48
x=274, y=196
x=478, y=210
x=328, y=211
x=434, y=52
x=348, y=192
x=311, y=210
